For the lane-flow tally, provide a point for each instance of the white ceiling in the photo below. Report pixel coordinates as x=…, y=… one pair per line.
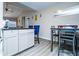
x=35, y=6
x=43, y=5
x=19, y=6
x=38, y=5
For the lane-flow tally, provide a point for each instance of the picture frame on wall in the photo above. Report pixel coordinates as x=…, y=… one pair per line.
x=36, y=18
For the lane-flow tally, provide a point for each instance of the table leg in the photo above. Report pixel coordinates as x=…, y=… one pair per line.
x=76, y=46
x=51, y=40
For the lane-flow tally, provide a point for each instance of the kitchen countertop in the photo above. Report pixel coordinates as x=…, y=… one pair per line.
x=15, y=28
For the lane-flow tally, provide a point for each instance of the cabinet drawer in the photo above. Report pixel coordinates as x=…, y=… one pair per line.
x=10, y=33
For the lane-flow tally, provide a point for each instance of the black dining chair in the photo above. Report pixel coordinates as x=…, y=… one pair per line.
x=54, y=35
x=67, y=37
x=36, y=32
x=31, y=26
x=77, y=43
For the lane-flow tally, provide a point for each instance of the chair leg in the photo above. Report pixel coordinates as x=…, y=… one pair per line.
x=51, y=46
x=38, y=38
x=74, y=51
x=76, y=48
x=59, y=48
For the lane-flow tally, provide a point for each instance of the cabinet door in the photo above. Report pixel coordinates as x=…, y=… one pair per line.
x=25, y=38
x=30, y=37
x=10, y=42
x=11, y=46
x=22, y=40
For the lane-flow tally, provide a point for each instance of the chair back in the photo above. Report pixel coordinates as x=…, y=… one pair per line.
x=31, y=26
x=67, y=34
x=36, y=29
x=67, y=26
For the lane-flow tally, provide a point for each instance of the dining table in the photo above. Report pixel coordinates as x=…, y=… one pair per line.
x=57, y=34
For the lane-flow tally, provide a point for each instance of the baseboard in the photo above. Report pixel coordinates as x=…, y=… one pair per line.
x=22, y=51
x=49, y=40
x=44, y=39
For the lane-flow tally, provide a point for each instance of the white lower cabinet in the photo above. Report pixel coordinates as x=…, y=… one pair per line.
x=18, y=41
